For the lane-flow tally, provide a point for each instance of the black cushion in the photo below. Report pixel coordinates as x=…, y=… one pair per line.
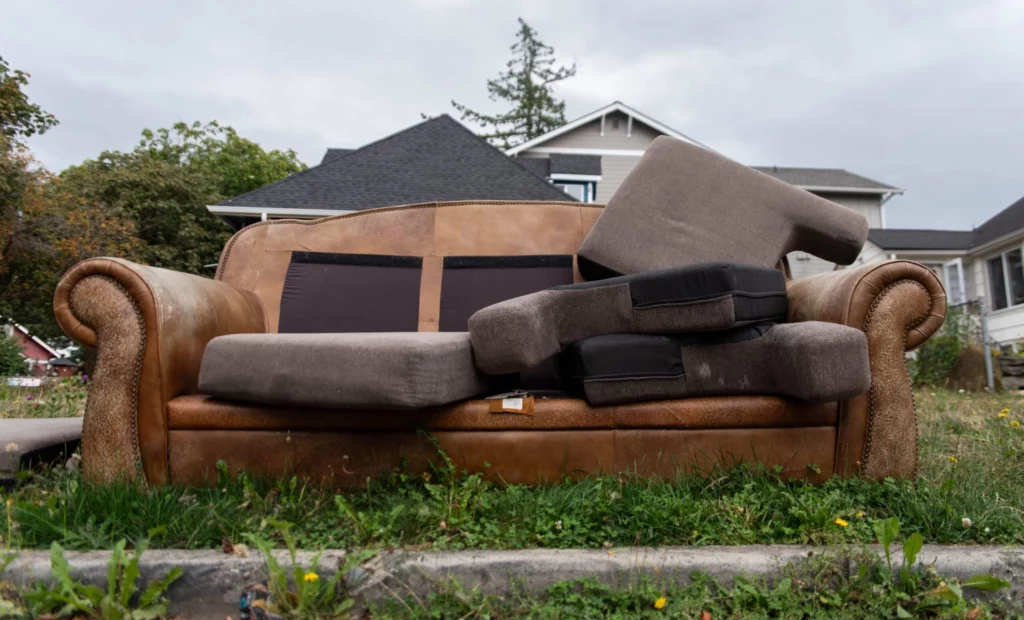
x=518, y=333
x=809, y=360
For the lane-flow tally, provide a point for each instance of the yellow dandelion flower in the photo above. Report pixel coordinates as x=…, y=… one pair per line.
x=660, y=603
x=953, y=459
x=1003, y=414
x=842, y=523
x=1014, y=423
x=310, y=577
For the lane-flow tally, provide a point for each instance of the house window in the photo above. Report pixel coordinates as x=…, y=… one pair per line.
x=953, y=278
x=579, y=191
x=1006, y=279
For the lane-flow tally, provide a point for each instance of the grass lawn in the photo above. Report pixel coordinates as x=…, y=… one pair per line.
x=969, y=490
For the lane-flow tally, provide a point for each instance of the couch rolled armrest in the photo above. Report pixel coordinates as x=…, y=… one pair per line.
x=150, y=327
x=899, y=304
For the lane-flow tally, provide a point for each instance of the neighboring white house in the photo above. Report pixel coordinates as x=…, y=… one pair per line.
x=984, y=262
x=614, y=138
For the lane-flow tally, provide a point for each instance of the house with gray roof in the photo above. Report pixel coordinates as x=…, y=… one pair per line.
x=617, y=135
x=982, y=263
x=436, y=160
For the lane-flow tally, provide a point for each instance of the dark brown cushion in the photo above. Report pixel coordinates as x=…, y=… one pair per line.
x=326, y=292
x=521, y=332
x=684, y=205
x=812, y=361
x=470, y=283
x=345, y=371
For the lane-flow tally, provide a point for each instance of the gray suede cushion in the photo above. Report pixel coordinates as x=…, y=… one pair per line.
x=683, y=205
x=347, y=371
x=521, y=332
x=811, y=361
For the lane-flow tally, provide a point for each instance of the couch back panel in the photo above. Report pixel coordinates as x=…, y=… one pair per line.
x=257, y=257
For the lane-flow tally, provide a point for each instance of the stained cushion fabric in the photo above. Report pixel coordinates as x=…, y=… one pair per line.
x=520, y=332
x=812, y=361
x=371, y=370
x=683, y=204
x=327, y=292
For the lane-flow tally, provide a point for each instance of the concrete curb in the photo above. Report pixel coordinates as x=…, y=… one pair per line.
x=212, y=580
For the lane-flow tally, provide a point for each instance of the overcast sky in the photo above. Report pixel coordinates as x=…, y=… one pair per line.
x=927, y=95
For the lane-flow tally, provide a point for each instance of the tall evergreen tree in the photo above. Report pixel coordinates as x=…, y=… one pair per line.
x=526, y=83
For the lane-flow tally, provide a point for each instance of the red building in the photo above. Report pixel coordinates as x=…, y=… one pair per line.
x=39, y=356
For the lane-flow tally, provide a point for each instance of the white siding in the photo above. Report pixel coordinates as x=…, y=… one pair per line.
x=870, y=205
x=802, y=264
x=869, y=254
x=614, y=169
x=1005, y=326
x=589, y=136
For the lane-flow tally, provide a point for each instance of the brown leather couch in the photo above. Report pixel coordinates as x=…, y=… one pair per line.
x=145, y=420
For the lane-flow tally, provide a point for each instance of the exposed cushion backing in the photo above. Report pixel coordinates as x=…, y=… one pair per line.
x=520, y=332
x=812, y=361
x=470, y=283
x=683, y=205
x=326, y=292
x=377, y=371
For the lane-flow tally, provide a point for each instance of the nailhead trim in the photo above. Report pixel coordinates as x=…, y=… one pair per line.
x=871, y=391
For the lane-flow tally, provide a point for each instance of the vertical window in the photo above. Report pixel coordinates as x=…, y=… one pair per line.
x=997, y=282
x=953, y=276
x=1015, y=277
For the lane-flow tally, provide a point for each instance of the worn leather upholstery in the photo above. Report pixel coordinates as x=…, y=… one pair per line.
x=151, y=326
x=144, y=420
x=899, y=304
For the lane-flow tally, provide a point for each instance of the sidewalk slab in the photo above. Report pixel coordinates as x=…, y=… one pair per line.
x=22, y=439
x=213, y=580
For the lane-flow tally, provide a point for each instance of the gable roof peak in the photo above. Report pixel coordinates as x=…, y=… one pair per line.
x=614, y=106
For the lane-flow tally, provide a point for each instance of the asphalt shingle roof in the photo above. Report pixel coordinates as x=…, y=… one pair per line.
x=436, y=160
x=915, y=239
x=334, y=154
x=1008, y=220
x=823, y=177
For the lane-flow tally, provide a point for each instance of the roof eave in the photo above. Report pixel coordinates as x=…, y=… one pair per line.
x=850, y=190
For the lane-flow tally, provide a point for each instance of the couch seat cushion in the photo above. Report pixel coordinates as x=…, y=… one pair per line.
x=365, y=371
x=519, y=333
x=811, y=361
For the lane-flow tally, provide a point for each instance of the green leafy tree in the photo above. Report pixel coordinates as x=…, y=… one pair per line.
x=19, y=118
x=12, y=362
x=164, y=185
x=232, y=164
x=54, y=230
x=527, y=85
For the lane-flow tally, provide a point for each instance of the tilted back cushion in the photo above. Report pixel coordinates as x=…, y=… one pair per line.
x=386, y=242
x=684, y=205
